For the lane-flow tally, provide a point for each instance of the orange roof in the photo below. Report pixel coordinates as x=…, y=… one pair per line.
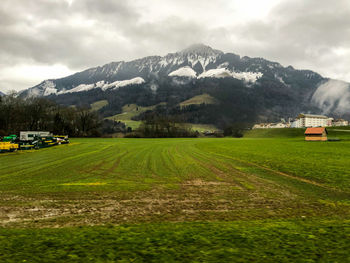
x=317, y=130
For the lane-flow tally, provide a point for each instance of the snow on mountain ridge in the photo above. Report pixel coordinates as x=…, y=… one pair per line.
x=104, y=86
x=79, y=88
x=48, y=90
x=247, y=76
x=183, y=72
x=198, y=53
x=215, y=73
x=122, y=83
x=224, y=73
x=49, y=87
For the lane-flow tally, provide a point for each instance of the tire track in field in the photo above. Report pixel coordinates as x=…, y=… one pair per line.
x=240, y=179
x=115, y=165
x=297, y=178
x=188, y=152
x=55, y=162
x=247, y=181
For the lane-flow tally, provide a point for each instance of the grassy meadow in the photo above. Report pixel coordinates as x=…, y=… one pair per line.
x=199, y=99
x=130, y=111
x=268, y=197
x=98, y=105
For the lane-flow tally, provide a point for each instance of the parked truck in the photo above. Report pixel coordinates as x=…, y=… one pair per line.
x=9, y=144
x=31, y=140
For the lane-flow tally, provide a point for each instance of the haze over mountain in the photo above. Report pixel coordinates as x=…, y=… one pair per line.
x=247, y=89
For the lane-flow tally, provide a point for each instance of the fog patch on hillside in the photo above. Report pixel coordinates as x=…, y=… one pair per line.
x=333, y=95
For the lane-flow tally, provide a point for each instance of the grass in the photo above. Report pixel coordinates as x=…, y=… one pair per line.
x=347, y=128
x=251, y=199
x=199, y=99
x=275, y=133
x=128, y=112
x=98, y=105
x=289, y=241
x=203, y=127
x=341, y=132
x=132, y=124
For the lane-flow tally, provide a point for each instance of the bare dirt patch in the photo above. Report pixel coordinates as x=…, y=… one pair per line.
x=194, y=200
x=199, y=182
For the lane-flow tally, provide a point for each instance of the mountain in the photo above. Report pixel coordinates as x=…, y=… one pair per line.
x=2, y=94
x=246, y=89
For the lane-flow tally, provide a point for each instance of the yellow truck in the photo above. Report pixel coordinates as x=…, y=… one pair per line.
x=8, y=147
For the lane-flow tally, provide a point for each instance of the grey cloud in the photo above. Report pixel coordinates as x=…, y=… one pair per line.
x=90, y=33
x=105, y=7
x=51, y=39
x=302, y=33
x=81, y=46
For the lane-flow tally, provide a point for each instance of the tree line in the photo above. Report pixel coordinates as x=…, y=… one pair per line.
x=32, y=114
x=161, y=126
x=40, y=114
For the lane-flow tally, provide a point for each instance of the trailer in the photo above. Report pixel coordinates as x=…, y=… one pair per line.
x=45, y=141
x=33, y=135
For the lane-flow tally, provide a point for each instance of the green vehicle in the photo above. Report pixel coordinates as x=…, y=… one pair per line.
x=10, y=138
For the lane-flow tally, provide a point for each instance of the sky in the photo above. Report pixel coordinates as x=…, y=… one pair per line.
x=43, y=39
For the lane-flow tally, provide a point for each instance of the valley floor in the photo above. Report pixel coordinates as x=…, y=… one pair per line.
x=254, y=199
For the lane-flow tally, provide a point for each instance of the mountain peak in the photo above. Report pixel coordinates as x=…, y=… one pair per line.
x=200, y=49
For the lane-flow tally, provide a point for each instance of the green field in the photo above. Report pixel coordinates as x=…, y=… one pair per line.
x=128, y=112
x=252, y=199
x=98, y=105
x=202, y=127
x=334, y=132
x=199, y=99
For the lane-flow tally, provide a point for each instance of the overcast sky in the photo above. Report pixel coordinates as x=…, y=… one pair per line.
x=41, y=39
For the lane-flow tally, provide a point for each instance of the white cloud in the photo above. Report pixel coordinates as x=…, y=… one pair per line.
x=333, y=95
x=23, y=76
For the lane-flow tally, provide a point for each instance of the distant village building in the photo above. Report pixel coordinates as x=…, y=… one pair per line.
x=330, y=122
x=310, y=120
x=304, y=121
x=340, y=122
x=281, y=124
x=271, y=125
x=316, y=134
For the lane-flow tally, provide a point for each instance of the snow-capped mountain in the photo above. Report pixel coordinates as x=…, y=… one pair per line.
x=197, y=61
x=253, y=84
